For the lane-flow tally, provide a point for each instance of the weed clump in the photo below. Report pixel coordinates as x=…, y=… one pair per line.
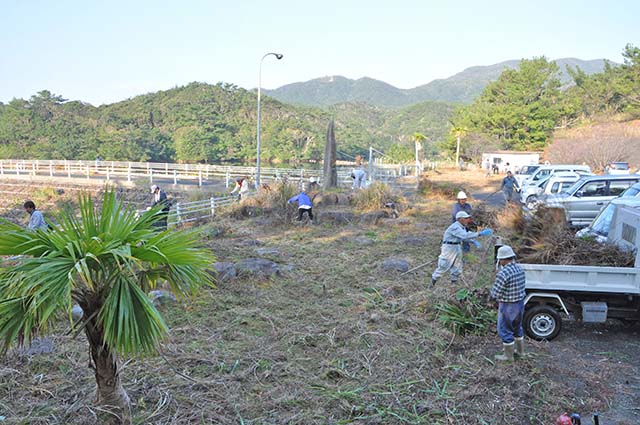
x=376, y=196
x=468, y=314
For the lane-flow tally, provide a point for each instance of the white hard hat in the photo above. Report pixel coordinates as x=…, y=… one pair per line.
x=154, y=188
x=312, y=179
x=461, y=195
x=505, y=252
x=462, y=214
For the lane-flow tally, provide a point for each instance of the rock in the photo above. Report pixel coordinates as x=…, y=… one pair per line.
x=404, y=221
x=336, y=217
x=38, y=346
x=250, y=242
x=391, y=264
x=258, y=267
x=159, y=297
x=362, y=241
x=414, y=241
x=265, y=252
x=224, y=271
x=325, y=199
x=373, y=217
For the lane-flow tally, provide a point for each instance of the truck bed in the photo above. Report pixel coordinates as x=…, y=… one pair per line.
x=618, y=280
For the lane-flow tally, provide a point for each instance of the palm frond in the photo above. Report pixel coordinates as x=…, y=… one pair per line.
x=130, y=322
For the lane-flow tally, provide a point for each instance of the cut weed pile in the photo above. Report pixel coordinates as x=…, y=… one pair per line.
x=545, y=238
x=336, y=339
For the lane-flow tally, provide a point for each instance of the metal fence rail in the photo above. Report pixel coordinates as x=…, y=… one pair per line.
x=184, y=212
x=184, y=173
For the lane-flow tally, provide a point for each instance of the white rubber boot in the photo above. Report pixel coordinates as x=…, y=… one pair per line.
x=507, y=356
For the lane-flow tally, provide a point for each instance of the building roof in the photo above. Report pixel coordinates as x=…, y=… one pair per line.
x=514, y=152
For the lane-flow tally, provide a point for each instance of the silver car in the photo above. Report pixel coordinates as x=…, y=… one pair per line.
x=584, y=200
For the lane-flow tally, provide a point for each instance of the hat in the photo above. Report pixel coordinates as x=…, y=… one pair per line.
x=505, y=252
x=462, y=214
x=154, y=188
x=461, y=195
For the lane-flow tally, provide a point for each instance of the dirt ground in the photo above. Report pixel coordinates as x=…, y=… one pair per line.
x=337, y=338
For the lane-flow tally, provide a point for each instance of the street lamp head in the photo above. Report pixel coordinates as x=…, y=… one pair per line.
x=278, y=56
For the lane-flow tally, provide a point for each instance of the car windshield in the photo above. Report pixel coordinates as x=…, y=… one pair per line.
x=529, y=169
x=601, y=223
x=543, y=183
x=571, y=189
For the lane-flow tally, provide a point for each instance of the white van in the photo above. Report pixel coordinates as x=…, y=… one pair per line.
x=555, y=183
x=547, y=170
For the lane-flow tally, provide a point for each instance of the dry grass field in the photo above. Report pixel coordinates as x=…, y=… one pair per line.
x=337, y=338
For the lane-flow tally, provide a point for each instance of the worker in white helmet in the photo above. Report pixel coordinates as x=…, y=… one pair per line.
x=462, y=205
x=450, y=259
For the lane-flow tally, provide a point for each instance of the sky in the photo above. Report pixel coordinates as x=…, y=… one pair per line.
x=106, y=51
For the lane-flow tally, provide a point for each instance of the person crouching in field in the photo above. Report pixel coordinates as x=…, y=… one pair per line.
x=304, y=205
x=36, y=220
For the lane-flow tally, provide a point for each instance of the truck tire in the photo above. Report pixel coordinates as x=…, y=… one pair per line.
x=542, y=322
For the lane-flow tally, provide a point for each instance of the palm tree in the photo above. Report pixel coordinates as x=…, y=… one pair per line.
x=418, y=138
x=105, y=260
x=458, y=133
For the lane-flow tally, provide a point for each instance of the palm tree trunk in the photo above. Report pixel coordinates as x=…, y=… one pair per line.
x=110, y=393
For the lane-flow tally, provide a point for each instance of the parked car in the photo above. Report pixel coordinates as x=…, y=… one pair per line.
x=554, y=183
x=618, y=168
x=599, y=227
x=546, y=170
x=583, y=201
x=525, y=172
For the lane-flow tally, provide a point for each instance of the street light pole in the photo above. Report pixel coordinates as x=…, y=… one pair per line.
x=278, y=56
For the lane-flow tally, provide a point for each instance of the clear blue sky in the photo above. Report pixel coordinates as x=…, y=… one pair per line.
x=106, y=51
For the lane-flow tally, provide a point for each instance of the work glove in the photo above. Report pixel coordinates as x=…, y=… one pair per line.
x=476, y=244
x=485, y=232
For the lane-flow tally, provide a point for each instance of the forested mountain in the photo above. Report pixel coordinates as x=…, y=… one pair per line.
x=201, y=122
x=462, y=87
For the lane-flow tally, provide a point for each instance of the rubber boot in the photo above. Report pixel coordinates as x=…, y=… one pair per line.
x=433, y=282
x=520, y=348
x=507, y=356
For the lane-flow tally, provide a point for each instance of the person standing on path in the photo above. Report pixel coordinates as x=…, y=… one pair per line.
x=304, y=205
x=508, y=186
x=450, y=258
x=462, y=205
x=509, y=291
x=487, y=167
x=36, y=220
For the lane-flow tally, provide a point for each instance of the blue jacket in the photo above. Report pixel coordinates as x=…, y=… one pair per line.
x=302, y=199
x=457, y=207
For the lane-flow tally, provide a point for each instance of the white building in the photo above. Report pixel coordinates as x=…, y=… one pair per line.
x=510, y=160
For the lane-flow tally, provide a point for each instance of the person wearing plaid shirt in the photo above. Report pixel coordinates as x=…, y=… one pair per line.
x=509, y=291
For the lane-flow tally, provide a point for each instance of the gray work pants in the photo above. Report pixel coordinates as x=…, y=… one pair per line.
x=450, y=260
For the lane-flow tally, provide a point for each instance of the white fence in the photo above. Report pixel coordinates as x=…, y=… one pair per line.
x=185, y=212
x=191, y=174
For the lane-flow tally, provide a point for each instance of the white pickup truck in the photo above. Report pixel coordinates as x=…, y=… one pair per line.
x=587, y=293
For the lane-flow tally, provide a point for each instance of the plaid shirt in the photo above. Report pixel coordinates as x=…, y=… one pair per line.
x=509, y=284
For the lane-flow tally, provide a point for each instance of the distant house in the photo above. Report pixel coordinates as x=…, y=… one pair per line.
x=515, y=159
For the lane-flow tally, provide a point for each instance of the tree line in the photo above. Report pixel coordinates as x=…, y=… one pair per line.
x=525, y=107
x=205, y=123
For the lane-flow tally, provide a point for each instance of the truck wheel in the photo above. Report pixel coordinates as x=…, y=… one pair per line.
x=542, y=323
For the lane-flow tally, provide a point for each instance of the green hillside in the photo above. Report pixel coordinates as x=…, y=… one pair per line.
x=200, y=122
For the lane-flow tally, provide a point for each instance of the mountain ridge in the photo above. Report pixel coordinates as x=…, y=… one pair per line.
x=462, y=87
